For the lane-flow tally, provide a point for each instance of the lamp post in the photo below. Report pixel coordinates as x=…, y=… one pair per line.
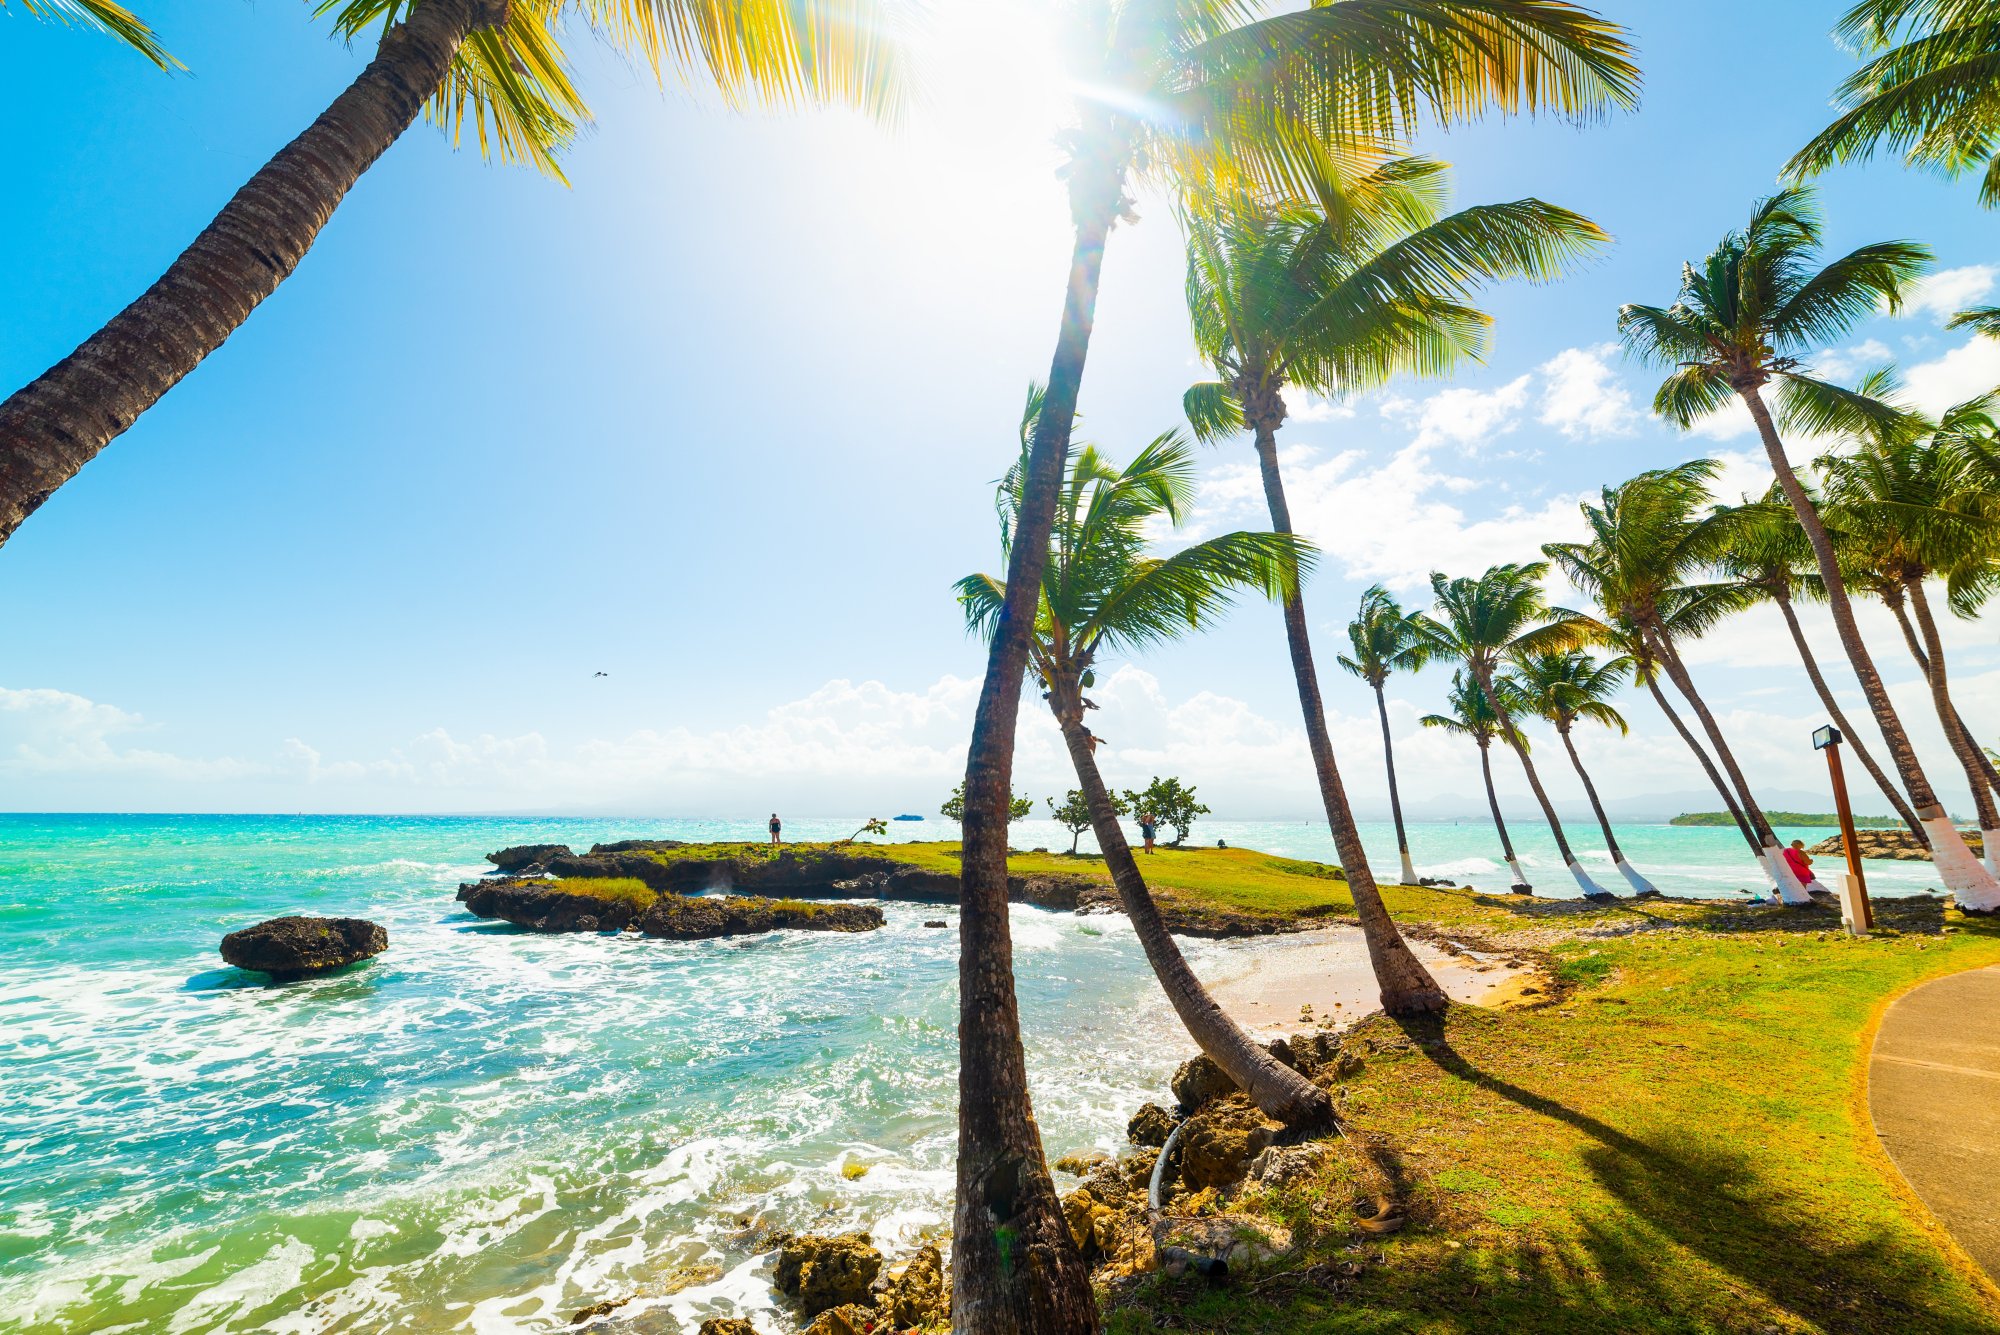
x=1855, y=909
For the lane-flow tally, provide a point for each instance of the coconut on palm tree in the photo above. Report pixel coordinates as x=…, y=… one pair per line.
x=1499, y=618
x=1770, y=558
x=495, y=67
x=1924, y=90
x=1561, y=687
x=106, y=16
x=1652, y=540
x=1371, y=280
x=1385, y=640
x=1472, y=715
x=1744, y=320
x=1103, y=593
x=1200, y=97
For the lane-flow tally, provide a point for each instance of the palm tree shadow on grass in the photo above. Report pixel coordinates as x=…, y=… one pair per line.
x=1691, y=1192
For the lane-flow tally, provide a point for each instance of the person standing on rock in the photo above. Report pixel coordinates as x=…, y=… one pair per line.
x=777, y=828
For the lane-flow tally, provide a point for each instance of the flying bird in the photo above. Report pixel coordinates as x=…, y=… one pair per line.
x=600, y=674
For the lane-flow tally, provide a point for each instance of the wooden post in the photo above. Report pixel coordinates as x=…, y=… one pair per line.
x=1863, y=910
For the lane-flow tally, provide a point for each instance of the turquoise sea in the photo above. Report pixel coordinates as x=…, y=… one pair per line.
x=484, y=1130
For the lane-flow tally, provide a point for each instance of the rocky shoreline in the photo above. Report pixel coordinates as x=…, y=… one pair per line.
x=1894, y=845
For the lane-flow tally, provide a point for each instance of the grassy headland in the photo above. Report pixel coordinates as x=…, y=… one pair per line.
x=1795, y=819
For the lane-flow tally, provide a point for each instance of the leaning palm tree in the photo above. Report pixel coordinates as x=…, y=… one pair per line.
x=1104, y=593
x=1201, y=96
x=1925, y=90
x=1758, y=304
x=1651, y=540
x=1769, y=557
x=106, y=16
x=1909, y=504
x=1340, y=296
x=1472, y=715
x=1486, y=623
x=1561, y=687
x=1385, y=640
x=496, y=67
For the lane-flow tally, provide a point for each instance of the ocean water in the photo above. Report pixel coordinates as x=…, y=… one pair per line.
x=483, y=1130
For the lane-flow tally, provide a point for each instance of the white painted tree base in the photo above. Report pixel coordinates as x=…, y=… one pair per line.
x=1790, y=890
x=1409, y=871
x=1520, y=877
x=1991, y=838
x=1590, y=888
x=1640, y=885
x=1975, y=888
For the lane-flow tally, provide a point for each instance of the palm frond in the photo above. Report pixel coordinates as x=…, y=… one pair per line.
x=106, y=16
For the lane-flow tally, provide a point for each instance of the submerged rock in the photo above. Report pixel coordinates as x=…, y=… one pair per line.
x=299, y=946
x=726, y=1325
x=825, y=1272
x=523, y=856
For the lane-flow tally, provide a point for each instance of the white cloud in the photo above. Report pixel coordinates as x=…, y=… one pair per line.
x=1729, y=423
x=1948, y=291
x=1846, y=365
x=1468, y=418
x=45, y=732
x=1965, y=372
x=1582, y=397
x=1303, y=408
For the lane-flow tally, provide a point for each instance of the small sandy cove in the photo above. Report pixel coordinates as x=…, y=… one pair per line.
x=1268, y=985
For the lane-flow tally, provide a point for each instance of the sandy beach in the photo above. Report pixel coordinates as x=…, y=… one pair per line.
x=1270, y=985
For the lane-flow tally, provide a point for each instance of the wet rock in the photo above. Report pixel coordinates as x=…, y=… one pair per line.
x=913, y=1292
x=523, y=856
x=1080, y=1165
x=936, y=922
x=1151, y=1125
x=726, y=1325
x=848, y=1319
x=300, y=946
x=826, y=1272
x=546, y=906
x=1198, y=1080
x=650, y=871
x=595, y=1310
x=686, y=918
x=1221, y=1139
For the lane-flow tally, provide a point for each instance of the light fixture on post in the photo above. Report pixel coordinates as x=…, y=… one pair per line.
x=1855, y=911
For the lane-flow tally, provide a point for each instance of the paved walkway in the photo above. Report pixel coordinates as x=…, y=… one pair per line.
x=1934, y=1091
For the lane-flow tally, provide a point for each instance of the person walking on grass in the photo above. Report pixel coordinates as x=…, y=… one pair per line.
x=1801, y=863
x=777, y=828
x=1149, y=825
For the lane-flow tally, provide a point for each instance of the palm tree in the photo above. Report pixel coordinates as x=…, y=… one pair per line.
x=1335, y=298
x=1651, y=538
x=1201, y=97
x=1473, y=716
x=1385, y=640
x=1908, y=502
x=1499, y=618
x=106, y=16
x=1745, y=318
x=1103, y=593
x=1925, y=91
x=1562, y=687
x=1769, y=558
x=497, y=67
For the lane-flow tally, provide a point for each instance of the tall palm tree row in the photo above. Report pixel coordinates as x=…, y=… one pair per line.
x=1196, y=95
x=497, y=67
x=1488, y=622
x=1102, y=592
x=1370, y=280
x=1652, y=539
x=1563, y=687
x=1744, y=320
x=107, y=16
x=1472, y=715
x=1770, y=559
x=1385, y=640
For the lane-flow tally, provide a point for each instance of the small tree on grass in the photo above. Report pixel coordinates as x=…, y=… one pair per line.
x=1169, y=802
x=1074, y=814
x=1018, y=807
x=875, y=825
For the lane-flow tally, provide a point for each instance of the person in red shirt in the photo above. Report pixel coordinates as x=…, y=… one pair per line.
x=1800, y=861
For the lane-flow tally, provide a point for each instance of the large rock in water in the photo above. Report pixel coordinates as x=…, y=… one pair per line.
x=1897, y=845
x=827, y=1272
x=523, y=856
x=691, y=918
x=297, y=947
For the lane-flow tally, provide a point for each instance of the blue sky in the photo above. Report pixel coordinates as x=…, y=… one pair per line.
x=721, y=419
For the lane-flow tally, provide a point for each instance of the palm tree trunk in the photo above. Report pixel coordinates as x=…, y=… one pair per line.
x=1895, y=605
x=1407, y=987
x=1395, y=798
x=1976, y=889
x=1590, y=888
x=1833, y=712
x=1015, y=1269
x=1955, y=731
x=1520, y=885
x=1768, y=850
x=57, y=424
x=1640, y=885
x=1276, y=1088
x=1708, y=768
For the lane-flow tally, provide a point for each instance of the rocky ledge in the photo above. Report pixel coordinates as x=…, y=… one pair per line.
x=299, y=946
x=1896, y=845
x=544, y=905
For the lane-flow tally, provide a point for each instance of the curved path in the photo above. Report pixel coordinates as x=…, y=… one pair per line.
x=1934, y=1092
